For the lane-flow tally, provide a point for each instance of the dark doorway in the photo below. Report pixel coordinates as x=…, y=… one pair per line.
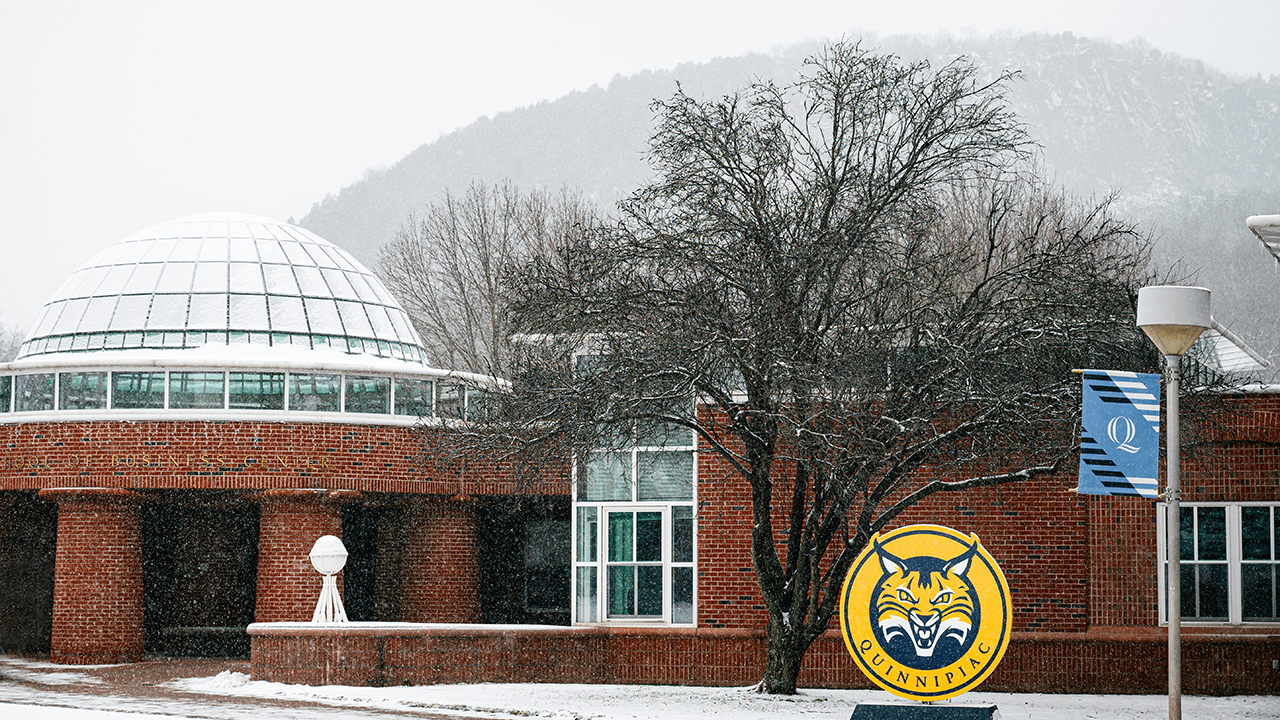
x=199, y=574
x=524, y=560
x=28, y=544
x=371, y=578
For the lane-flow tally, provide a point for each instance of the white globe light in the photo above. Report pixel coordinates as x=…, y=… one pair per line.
x=328, y=555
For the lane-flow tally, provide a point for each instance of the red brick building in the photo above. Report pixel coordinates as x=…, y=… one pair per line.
x=204, y=399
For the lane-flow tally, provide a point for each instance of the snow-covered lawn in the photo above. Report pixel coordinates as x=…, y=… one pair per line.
x=677, y=703
x=31, y=690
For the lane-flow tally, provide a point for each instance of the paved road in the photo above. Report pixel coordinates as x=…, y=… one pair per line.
x=139, y=688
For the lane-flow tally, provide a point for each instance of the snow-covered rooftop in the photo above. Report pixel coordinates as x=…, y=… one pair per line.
x=223, y=279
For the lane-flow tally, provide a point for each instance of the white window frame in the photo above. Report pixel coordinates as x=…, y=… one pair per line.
x=1235, y=606
x=603, y=508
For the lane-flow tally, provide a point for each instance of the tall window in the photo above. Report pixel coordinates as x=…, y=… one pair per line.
x=1230, y=562
x=634, y=531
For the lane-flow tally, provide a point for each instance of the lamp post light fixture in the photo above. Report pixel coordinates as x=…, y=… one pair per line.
x=1173, y=317
x=328, y=556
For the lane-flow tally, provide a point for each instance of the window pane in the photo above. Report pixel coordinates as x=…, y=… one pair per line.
x=211, y=277
x=620, y=537
x=1255, y=533
x=208, y=312
x=176, y=277
x=1258, y=591
x=168, y=312
x=607, y=477
x=622, y=589
x=286, y=314
x=354, y=319
x=664, y=475
x=1212, y=533
x=649, y=590
x=35, y=392
x=314, y=393
x=195, y=390
x=6, y=393
x=649, y=537
x=368, y=395
x=588, y=604
x=280, y=280
x=587, y=538
x=663, y=435
x=137, y=390
x=479, y=406
x=248, y=312
x=1186, y=530
x=257, y=391
x=682, y=595
x=1187, y=592
x=682, y=533
x=449, y=401
x=246, y=278
x=1213, y=591
x=82, y=391
x=413, y=397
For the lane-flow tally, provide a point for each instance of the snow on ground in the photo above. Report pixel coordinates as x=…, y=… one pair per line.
x=31, y=690
x=623, y=702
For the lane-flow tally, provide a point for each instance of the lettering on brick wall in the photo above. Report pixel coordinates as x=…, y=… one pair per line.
x=192, y=462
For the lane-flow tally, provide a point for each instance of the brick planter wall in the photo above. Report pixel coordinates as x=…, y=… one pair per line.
x=1107, y=661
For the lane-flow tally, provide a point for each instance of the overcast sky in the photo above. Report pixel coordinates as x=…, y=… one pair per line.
x=116, y=116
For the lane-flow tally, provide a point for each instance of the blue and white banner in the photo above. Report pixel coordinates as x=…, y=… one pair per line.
x=1120, y=434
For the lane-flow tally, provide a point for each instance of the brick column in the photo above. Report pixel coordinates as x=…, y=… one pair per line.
x=97, y=586
x=440, y=563
x=290, y=522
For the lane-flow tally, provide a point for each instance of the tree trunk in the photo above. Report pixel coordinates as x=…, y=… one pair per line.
x=784, y=655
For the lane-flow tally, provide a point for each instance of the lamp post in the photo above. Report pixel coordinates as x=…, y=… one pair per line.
x=1173, y=317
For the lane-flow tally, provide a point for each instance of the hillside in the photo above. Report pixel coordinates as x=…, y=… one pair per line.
x=1187, y=150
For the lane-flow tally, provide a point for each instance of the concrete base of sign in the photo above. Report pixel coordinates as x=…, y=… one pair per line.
x=901, y=711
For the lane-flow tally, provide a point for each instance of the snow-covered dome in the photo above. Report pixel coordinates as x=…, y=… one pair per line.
x=223, y=279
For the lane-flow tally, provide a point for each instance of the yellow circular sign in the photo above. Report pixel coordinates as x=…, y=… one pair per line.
x=926, y=612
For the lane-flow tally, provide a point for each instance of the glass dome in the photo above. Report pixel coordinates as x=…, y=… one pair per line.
x=223, y=279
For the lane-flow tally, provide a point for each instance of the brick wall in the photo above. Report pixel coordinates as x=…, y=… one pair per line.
x=440, y=562
x=1037, y=530
x=97, y=592
x=234, y=455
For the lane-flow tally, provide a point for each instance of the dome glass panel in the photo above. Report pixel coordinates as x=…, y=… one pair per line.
x=223, y=279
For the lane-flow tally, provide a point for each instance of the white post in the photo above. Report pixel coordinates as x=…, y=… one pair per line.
x=1173, y=317
x=1173, y=538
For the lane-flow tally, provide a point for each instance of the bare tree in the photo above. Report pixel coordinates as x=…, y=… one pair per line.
x=856, y=277
x=445, y=265
x=11, y=337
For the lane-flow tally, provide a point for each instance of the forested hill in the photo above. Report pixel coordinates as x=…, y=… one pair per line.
x=1190, y=151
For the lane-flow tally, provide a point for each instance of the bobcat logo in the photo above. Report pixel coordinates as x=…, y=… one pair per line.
x=926, y=612
x=925, y=609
